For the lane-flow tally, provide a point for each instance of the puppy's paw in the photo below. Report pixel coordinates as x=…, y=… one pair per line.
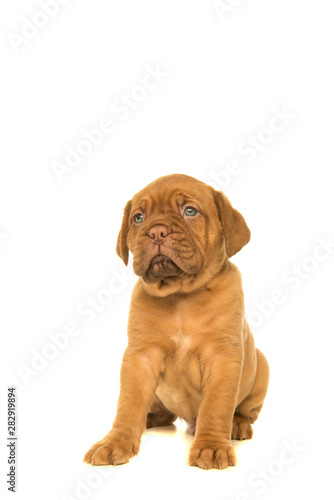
x=209, y=455
x=241, y=428
x=112, y=450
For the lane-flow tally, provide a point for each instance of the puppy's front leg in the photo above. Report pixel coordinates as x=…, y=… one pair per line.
x=139, y=379
x=212, y=443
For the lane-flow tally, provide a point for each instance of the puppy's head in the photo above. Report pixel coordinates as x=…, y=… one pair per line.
x=179, y=231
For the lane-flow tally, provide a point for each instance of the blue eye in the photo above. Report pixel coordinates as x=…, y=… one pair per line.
x=190, y=211
x=138, y=218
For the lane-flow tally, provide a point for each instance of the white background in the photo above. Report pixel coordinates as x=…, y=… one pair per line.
x=226, y=76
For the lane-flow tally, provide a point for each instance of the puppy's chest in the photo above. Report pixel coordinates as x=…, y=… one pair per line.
x=181, y=342
x=184, y=337
x=182, y=362
x=181, y=346
x=179, y=387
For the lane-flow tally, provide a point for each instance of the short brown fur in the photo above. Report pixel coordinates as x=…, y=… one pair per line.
x=190, y=351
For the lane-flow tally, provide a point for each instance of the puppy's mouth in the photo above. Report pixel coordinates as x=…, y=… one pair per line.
x=161, y=267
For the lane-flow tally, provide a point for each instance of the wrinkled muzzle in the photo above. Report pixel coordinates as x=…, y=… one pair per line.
x=164, y=249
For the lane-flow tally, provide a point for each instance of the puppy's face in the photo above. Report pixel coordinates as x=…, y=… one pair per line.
x=179, y=230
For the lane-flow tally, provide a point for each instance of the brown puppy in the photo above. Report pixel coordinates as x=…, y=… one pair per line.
x=190, y=351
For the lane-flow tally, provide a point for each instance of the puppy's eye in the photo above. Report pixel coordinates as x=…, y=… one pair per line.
x=138, y=218
x=190, y=211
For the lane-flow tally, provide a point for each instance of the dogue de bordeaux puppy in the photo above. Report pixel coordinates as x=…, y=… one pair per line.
x=190, y=351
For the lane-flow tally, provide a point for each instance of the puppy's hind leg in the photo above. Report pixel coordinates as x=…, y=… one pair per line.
x=159, y=415
x=248, y=410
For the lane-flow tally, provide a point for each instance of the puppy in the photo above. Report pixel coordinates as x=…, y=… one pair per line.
x=190, y=351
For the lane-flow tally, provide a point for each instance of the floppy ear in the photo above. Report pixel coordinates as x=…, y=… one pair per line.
x=122, y=249
x=236, y=231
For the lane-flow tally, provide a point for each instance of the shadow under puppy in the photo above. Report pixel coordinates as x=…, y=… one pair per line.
x=190, y=351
